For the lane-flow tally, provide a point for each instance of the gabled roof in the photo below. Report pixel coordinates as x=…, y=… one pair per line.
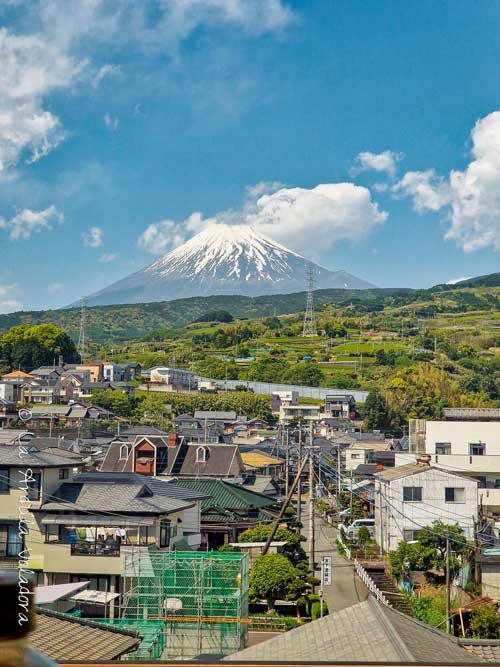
x=16, y=374
x=62, y=638
x=227, y=415
x=409, y=469
x=222, y=495
x=9, y=456
x=366, y=632
x=256, y=459
x=143, y=430
x=222, y=460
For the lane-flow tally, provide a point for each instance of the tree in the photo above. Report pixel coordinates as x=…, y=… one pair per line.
x=271, y=577
x=485, y=622
x=29, y=346
x=292, y=550
x=272, y=323
x=215, y=316
x=376, y=412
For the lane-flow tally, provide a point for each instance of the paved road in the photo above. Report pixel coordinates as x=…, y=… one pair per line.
x=346, y=588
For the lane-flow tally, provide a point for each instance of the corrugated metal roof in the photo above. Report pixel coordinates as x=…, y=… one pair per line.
x=225, y=495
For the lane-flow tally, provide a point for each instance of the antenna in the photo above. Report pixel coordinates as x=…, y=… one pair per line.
x=309, y=321
x=82, y=343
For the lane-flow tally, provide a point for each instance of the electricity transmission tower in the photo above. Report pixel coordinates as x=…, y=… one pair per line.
x=309, y=321
x=82, y=343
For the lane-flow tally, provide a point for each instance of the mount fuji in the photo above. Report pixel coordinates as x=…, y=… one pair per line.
x=223, y=259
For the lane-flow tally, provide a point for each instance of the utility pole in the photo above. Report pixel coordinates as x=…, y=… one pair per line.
x=350, y=499
x=339, y=482
x=448, y=587
x=299, y=486
x=311, y=503
x=287, y=461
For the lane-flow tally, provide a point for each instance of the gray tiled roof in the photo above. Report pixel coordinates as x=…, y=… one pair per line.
x=9, y=456
x=126, y=498
x=366, y=632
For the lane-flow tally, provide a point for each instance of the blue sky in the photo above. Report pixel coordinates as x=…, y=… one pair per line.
x=119, y=120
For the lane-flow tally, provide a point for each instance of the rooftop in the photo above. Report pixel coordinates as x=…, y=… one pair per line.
x=256, y=459
x=33, y=458
x=226, y=495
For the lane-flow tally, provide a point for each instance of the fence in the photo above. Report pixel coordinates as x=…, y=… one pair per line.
x=306, y=392
x=369, y=583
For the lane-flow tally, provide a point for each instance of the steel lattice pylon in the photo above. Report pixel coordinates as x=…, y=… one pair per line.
x=82, y=343
x=309, y=320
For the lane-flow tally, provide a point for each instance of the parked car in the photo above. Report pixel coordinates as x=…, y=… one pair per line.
x=353, y=530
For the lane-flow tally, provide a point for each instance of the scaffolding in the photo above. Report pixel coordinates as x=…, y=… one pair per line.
x=200, y=599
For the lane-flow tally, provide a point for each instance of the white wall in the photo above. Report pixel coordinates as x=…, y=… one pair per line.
x=393, y=515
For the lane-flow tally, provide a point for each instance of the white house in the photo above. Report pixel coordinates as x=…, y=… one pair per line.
x=304, y=411
x=412, y=496
x=176, y=378
x=466, y=441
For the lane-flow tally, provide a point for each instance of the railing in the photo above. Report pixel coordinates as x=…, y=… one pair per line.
x=95, y=549
x=369, y=583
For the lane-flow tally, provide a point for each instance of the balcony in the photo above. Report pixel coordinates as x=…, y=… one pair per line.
x=111, y=548
x=489, y=497
x=464, y=463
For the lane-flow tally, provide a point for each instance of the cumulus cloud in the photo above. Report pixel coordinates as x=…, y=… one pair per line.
x=381, y=162
x=308, y=220
x=93, y=237
x=27, y=222
x=30, y=69
x=469, y=198
x=161, y=237
x=9, y=302
x=429, y=191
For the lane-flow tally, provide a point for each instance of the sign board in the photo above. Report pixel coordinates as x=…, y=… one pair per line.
x=326, y=571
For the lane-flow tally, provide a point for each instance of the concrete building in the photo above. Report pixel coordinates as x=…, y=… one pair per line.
x=305, y=411
x=415, y=495
x=279, y=398
x=466, y=441
x=340, y=406
x=174, y=378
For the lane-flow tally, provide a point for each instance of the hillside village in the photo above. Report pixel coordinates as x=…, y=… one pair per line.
x=379, y=499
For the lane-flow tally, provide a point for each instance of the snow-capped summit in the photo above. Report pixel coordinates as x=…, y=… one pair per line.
x=223, y=259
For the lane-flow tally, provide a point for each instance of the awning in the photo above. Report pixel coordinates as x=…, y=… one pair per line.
x=95, y=597
x=49, y=594
x=85, y=520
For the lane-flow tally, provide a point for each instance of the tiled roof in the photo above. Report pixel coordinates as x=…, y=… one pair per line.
x=366, y=632
x=409, y=469
x=127, y=497
x=225, y=495
x=143, y=430
x=62, y=637
x=9, y=456
x=487, y=650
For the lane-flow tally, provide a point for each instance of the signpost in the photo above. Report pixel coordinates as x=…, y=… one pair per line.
x=326, y=579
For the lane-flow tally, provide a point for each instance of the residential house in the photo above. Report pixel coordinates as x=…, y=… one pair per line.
x=340, y=406
x=8, y=412
x=95, y=369
x=304, y=411
x=175, y=379
x=228, y=419
x=228, y=509
x=465, y=440
x=15, y=376
x=279, y=398
x=412, y=496
x=199, y=430
x=47, y=372
x=9, y=391
x=174, y=456
x=86, y=524
x=362, y=452
x=261, y=463
x=121, y=372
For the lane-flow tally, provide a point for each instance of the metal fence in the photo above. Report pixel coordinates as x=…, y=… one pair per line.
x=306, y=392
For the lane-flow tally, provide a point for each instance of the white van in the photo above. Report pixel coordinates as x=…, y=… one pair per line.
x=353, y=530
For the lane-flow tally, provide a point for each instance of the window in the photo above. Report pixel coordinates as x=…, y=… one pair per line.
x=34, y=486
x=443, y=447
x=123, y=452
x=165, y=535
x=64, y=473
x=454, y=495
x=477, y=448
x=11, y=543
x=201, y=455
x=355, y=456
x=412, y=494
x=4, y=480
x=410, y=534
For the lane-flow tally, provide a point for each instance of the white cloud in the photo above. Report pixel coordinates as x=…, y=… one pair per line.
x=162, y=236
x=470, y=198
x=30, y=69
x=104, y=72
x=454, y=281
x=317, y=218
x=27, y=222
x=8, y=299
x=309, y=220
x=429, y=191
x=93, y=237
x=381, y=162
x=111, y=122
x=107, y=257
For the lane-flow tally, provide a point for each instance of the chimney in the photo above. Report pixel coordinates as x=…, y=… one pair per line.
x=424, y=460
x=172, y=439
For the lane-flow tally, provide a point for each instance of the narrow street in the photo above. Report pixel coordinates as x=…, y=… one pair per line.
x=346, y=588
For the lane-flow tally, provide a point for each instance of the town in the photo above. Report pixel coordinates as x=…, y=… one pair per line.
x=233, y=530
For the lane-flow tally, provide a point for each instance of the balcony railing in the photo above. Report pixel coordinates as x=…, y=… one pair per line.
x=95, y=549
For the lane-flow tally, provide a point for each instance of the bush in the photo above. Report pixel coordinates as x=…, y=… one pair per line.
x=485, y=622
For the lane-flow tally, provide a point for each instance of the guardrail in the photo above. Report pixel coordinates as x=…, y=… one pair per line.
x=369, y=583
